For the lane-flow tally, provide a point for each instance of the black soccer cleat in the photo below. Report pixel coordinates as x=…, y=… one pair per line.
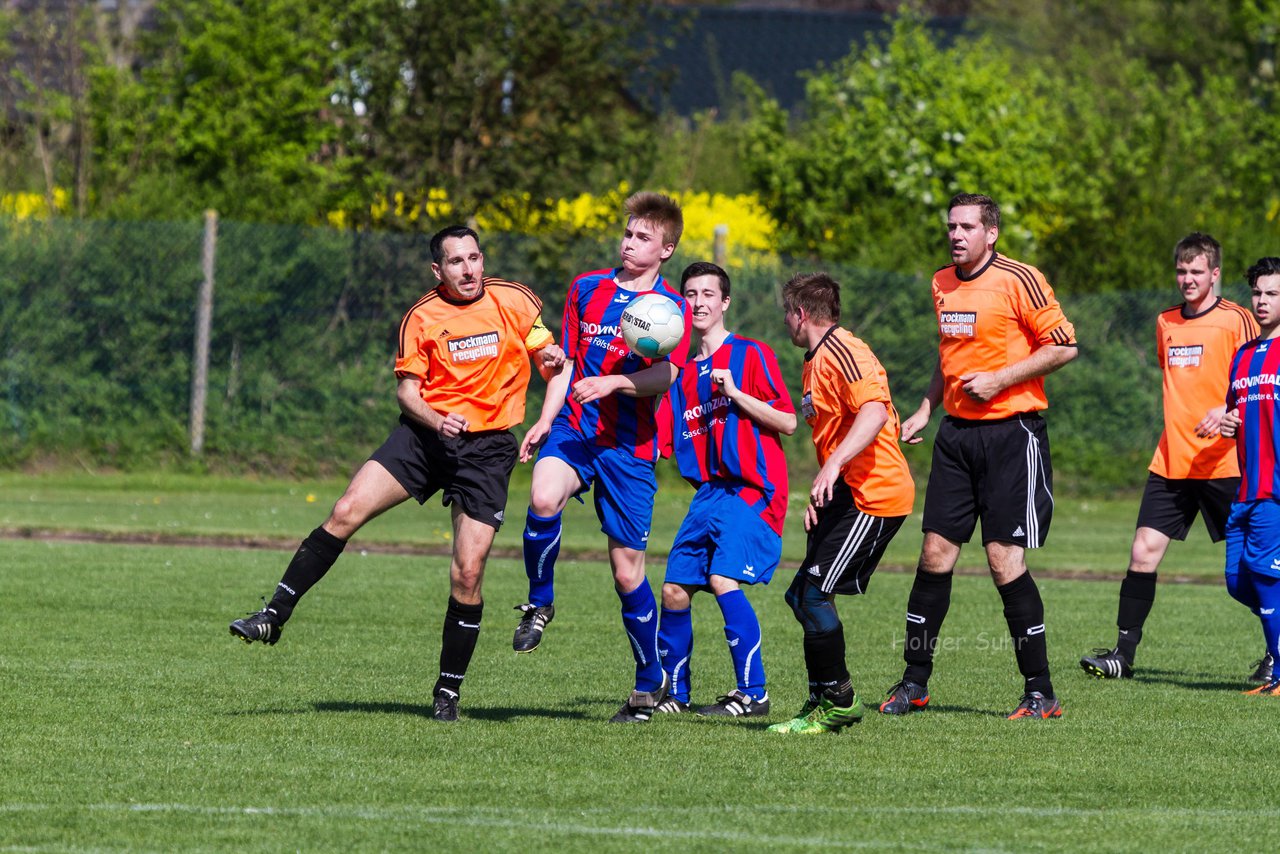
x=640, y=706
x=262, y=626
x=445, y=707
x=671, y=706
x=905, y=697
x=1037, y=706
x=737, y=704
x=1264, y=669
x=1107, y=664
x=529, y=633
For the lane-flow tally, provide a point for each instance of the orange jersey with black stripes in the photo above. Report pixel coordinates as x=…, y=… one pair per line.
x=998, y=316
x=473, y=357
x=1195, y=357
x=841, y=375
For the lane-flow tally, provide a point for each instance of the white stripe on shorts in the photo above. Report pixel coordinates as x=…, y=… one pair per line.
x=857, y=533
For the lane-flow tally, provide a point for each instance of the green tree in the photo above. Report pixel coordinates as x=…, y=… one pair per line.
x=505, y=99
x=237, y=107
x=891, y=132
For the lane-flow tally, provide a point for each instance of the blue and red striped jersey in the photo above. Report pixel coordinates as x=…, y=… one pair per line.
x=1253, y=391
x=593, y=344
x=712, y=440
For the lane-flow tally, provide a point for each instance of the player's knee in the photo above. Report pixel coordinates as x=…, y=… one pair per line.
x=675, y=597
x=347, y=517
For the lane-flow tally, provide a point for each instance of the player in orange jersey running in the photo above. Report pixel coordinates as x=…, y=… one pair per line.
x=1194, y=470
x=463, y=366
x=1001, y=331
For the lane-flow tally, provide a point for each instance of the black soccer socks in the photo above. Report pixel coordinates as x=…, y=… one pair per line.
x=1024, y=612
x=457, y=643
x=1137, y=595
x=926, y=609
x=311, y=561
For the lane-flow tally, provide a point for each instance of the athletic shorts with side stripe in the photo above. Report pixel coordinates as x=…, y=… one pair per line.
x=846, y=545
x=473, y=469
x=1170, y=506
x=996, y=471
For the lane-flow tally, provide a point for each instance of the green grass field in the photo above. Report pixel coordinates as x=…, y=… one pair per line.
x=131, y=720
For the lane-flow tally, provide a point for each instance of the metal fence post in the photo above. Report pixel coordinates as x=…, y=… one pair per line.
x=204, y=322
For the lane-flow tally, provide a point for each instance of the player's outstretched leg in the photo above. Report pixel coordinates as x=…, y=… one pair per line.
x=314, y=557
x=675, y=651
x=742, y=633
x=541, y=548
x=1137, y=595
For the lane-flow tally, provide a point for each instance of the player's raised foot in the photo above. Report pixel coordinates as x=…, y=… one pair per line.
x=1270, y=688
x=1264, y=669
x=532, y=624
x=1037, y=705
x=737, y=704
x=905, y=698
x=823, y=718
x=671, y=706
x=1107, y=664
x=262, y=626
x=640, y=706
x=445, y=707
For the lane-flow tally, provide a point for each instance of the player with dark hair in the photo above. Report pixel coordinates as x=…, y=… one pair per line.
x=463, y=365
x=598, y=427
x=858, y=501
x=725, y=413
x=1001, y=332
x=1253, y=420
x=1194, y=469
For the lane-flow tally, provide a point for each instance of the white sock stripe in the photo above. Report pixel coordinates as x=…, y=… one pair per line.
x=857, y=533
x=542, y=558
x=752, y=653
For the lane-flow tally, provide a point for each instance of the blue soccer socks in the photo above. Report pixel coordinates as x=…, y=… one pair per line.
x=640, y=620
x=675, y=648
x=742, y=632
x=541, y=548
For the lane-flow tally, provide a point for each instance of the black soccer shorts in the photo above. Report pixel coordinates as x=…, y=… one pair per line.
x=1170, y=506
x=846, y=545
x=996, y=471
x=473, y=469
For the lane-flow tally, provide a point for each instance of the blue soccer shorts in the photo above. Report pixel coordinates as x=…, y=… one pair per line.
x=624, y=484
x=722, y=535
x=1253, y=539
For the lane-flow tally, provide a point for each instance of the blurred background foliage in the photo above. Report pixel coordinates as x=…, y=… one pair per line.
x=333, y=137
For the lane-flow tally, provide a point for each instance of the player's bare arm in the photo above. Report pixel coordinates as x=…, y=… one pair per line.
x=985, y=385
x=920, y=418
x=753, y=407
x=870, y=420
x=1211, y=424
x=647, y=382
x=557, y=388
x=409, y=396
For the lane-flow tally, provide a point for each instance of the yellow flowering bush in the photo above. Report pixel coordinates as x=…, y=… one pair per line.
x=33, y=205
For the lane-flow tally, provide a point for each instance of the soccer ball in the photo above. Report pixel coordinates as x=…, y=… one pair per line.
x=652, y=325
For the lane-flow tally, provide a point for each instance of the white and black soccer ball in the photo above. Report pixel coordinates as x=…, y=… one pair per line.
x=652, y=325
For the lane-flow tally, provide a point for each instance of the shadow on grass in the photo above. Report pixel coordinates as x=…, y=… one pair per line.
x=1192, y=681
x=484, y=713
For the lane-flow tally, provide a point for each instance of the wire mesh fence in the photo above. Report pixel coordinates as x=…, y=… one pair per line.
x=98, y=324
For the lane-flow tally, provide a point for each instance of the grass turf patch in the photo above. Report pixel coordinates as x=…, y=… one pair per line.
x=134, y=721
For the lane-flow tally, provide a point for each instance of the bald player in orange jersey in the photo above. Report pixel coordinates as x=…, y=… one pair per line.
x=1000, y=331
x=463, y=366
x=1194, y=470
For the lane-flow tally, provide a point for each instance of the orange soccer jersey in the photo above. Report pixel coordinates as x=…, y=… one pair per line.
x=473, y=358
x=1195, y=357
x=988, y=321
x=841, y=375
